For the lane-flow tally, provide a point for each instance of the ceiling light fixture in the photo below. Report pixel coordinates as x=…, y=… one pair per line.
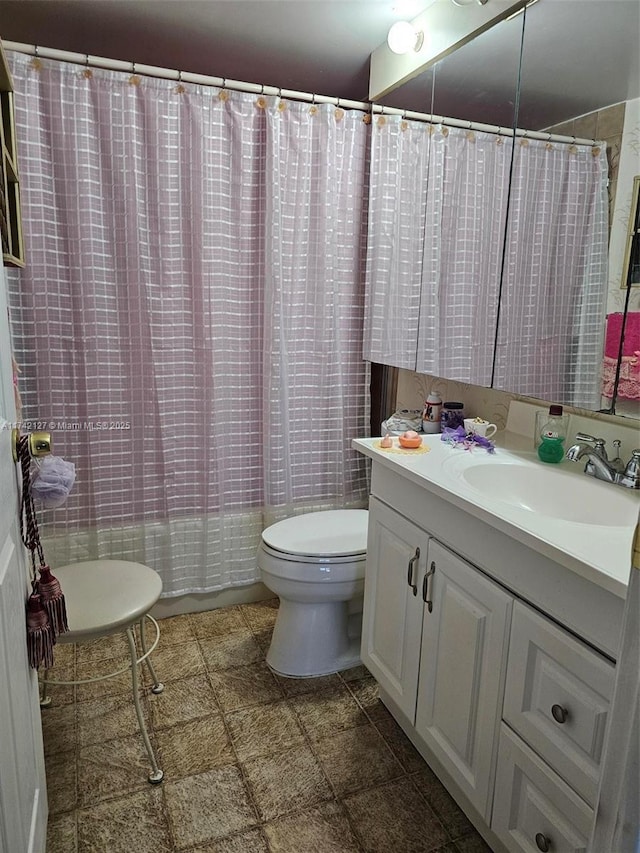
x=403, y=38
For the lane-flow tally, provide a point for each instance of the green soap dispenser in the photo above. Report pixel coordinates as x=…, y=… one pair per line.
x=552, y=434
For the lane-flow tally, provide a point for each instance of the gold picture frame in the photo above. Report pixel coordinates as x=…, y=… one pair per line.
x=631, y=265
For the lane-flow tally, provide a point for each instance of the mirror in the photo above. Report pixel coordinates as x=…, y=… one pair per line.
x=560, y=44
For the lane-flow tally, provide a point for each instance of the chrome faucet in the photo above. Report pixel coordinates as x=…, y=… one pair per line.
x=598, y=464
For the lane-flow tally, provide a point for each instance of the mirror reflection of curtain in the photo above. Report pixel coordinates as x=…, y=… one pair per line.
x=437, y=207
x=550, y=337
x=193, y=303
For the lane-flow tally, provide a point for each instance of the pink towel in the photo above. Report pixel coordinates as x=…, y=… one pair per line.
x=631, y=334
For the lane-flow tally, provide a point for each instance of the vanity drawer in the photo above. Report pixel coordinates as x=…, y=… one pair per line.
x=533, y=809
x=557, y=698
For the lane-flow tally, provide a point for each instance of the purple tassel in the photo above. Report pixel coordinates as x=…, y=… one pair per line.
x=53, y=600
x=40, y=637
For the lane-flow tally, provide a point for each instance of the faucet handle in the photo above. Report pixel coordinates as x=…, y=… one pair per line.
x=631, y=476
x=598, y=444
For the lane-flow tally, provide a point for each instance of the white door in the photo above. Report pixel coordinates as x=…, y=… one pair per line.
x=464, y=650
x=23, y=797
x=392, y=611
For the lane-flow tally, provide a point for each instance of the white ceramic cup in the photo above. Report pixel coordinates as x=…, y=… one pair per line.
x=483, y=428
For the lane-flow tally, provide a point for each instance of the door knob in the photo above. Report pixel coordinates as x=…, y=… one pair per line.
x=39, y=444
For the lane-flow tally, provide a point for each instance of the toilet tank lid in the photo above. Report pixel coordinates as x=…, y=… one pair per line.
x=331, y=533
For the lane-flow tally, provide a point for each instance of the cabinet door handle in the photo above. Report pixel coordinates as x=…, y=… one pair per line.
x=410, y=571
x=542, y=842
x=425, y=586
x=559, y=713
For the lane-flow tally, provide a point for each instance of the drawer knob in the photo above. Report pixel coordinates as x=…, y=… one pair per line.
x=543, y=842
x=560, y=715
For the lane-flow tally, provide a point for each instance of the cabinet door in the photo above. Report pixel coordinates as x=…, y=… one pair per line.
x=392, y=611
x=464, y=644
x=533, y=808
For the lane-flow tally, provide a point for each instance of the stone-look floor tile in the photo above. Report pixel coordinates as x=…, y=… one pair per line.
x=263, y=637
x=61, y=834
x=194, y=747
x=264, y=729
x=287, y=781
x=355, y=759
x=64, y=656
x=245, y=686
x=132, y=823
x=107, y=718
x=365, y=691
x=247, y=842
x=61, y=772
x=173, y=631
x=109, y=686
x=377, y=711
x=324, y=829
x=176, y=662
x=208, y=806
x=61, y=694
x=296, y=686
x=328, y=711
x=261, y=614
x=356, y=673
x=230, y=650
x=182, y=701
x=472, y=843
x=108, y=769
x=451, y=815
x=400, y=745
x=58, y=728
x=216, y=623
x=394, y=817
x=112, y=646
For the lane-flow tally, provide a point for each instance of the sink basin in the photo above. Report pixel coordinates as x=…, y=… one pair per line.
x=553, y=493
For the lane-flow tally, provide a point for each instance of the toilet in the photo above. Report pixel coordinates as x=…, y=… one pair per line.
x=315, y=564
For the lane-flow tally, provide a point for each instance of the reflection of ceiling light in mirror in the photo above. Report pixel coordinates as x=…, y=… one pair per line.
x=403, y=38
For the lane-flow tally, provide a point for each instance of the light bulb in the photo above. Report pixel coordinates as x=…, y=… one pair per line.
x=402, y=38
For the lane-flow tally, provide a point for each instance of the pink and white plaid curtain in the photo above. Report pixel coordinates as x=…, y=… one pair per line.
x=438, y=201
x=189, y=323
x=554, y=292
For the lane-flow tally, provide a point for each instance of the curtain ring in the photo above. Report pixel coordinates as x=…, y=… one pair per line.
x=179, y=76
x=133, y=68
x=313, y=98
x=262, y=89
x=35, y=50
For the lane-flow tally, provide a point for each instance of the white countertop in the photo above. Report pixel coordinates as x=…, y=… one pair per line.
x=600, y=553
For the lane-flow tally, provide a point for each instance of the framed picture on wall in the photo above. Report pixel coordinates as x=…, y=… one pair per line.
x=631, y=266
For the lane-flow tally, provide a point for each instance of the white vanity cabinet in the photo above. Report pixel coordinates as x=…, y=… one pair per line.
x=435, y=637
x=495, y=659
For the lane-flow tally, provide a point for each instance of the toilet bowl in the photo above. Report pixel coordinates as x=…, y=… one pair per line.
x=315, y=564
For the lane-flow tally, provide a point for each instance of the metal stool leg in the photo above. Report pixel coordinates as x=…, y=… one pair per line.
x=45, y=699
x=156, y=776
x=156, y=686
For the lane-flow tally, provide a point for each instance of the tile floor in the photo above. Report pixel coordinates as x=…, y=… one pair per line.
x=253, y=763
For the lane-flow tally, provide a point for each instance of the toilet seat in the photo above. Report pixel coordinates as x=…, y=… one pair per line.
x=333, y=536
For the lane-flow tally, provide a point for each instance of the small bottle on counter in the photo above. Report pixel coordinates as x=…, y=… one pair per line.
x=431, y=413
x=551, y=431
x=452, y=415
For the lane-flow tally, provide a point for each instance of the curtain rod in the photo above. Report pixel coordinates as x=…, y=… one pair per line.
x=255, y=88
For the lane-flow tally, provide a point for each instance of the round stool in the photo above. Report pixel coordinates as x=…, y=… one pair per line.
x=104, y=597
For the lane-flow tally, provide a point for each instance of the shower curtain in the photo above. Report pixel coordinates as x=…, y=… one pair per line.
x=189, y=323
